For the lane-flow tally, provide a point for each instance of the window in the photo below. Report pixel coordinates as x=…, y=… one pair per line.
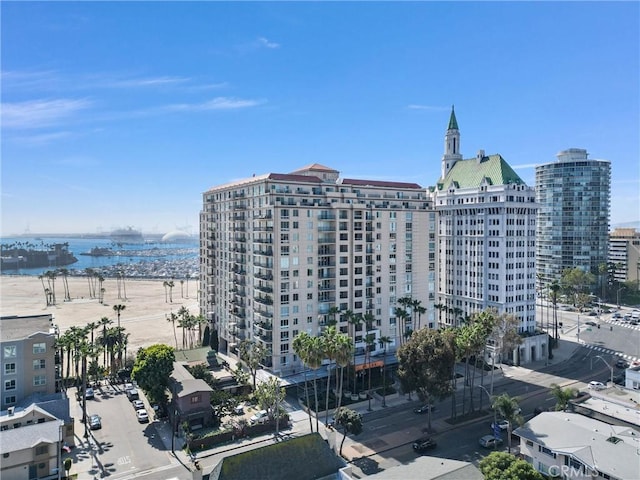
x=39, y=380
x=42, y=450
x=39, y=348
x=10, y=351
x=9, y=368
x=39, y=364
x=196, y=399
x=10, y=399
x=9, y=384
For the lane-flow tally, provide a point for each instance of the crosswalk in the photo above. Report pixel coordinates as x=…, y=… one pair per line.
x=608, y=351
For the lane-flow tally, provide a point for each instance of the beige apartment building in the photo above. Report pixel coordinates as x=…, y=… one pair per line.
x=624, y=254
x=29, y=360
x=280, y=252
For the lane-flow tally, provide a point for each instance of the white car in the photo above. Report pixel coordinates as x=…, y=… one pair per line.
x=259, y=417
x=502, y=425
x=137, y=405
x=593, y=385
x=143, y=416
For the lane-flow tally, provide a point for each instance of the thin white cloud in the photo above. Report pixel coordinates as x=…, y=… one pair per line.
x=146, y=82
x=218, y=103
x=28, y=80
x=525, y=166
x=41, y=139
x=267, y=43
x=41, y=113
x=414, y=106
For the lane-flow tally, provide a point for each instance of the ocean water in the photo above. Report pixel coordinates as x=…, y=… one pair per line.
x=149, y=259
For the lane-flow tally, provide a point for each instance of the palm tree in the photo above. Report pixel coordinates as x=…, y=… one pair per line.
x=354, y=319
x=300, y=344
x=165, y=284
x=402, y=316
x=172, y=318
x=333, y=311
x=171, y=284
x=118, y=308
x=104, y=321
x=562, y=395
x=370, y=341
x=329, y=347
x=314, y=351
x=384, y=341
x=555, y=288
x=418, y=309
x=65, y=283
x=344, y=351
x=508, y=408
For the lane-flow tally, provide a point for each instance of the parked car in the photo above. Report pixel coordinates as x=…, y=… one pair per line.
x=622, y=363
x=95, y=422
x=424, y=443
x=259, y=417
x=239, y=410
x=89, y=394
x=616, y=315
x=128, y=386
x=424, y=409
x=132, y=394
x=489, y=441
x=502, y=425
x=137, y=404
x=142, y=415
x=593, y=385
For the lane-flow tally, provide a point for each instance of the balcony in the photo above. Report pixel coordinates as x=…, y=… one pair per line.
x=264, y=251
x=264, y=276
x=264, y=300
x=263, y=313
x=265, y=337
x=263, y=288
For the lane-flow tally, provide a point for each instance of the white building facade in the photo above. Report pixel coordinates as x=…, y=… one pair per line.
x=280, y=252
x=486, y=242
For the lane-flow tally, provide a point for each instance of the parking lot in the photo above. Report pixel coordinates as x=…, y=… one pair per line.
x=123, y=445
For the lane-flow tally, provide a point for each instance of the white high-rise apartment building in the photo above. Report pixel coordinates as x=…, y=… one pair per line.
x=486, y=241
x=574, y=194
x=280, y=252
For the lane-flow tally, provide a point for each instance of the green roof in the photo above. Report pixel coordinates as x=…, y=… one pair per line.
x=470, y=173
x=301, y=458
x=453, y=123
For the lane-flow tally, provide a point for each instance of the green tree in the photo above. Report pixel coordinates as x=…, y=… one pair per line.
x=239, y=375
x=215, y=340
x=200, y=371
x=426, y=362
x=152, y=369
x=504, y=466
x=344, y=351
x=508, y=408
x=562, y=395
x=253, y=354
x=350, y=422
x=270, y=395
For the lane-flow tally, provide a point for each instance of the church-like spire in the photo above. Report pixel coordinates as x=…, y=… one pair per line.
x=453, y=123
x=451, y=145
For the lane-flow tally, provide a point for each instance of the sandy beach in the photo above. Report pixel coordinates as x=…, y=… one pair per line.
x=144, y=316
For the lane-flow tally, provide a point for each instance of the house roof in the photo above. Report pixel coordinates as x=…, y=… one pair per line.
x=30, y=436
x=430, y=468
x=316, y=167
x=587, y=440
x=378, y=183
x=185, y=384
x=474, y=172
x=14, y=327
x=303, y=458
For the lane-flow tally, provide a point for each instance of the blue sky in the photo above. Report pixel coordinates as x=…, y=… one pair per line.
x=123, y=113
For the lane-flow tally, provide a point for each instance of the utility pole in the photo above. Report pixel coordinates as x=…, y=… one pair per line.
x=607, y=364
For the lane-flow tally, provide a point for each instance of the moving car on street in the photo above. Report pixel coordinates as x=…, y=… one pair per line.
x=502, y=425
x=489, y=441
x=95, y=422
x=424, y=443
x=593, y=385
x=424, y=409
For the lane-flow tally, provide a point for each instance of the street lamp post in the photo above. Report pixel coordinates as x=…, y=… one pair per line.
x=618, y=296
x=495, y=419
x=607, y=364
